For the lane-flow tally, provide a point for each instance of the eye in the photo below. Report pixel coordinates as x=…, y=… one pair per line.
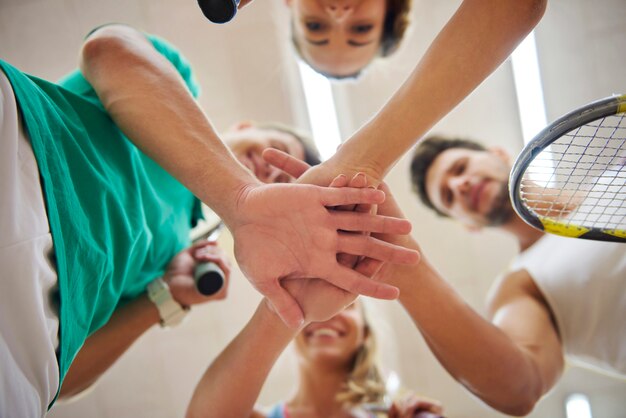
x=361, y=29
x=459, y=168
x=313, y=26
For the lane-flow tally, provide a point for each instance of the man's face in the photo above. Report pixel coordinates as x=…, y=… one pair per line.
x=471, y=186
x=247, y=142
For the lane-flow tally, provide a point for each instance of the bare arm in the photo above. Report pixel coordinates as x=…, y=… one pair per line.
x=510, y=359
x=146, y=98
x=233, y=381
x=474, y=42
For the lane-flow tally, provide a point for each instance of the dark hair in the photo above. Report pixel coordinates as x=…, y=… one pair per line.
x=311, y=154
x=394, y=27
x=425, y=154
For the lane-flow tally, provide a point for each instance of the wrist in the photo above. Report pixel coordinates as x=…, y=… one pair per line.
x=171, y=313
x=272, y=322
x=349, y=160
x=236, y=213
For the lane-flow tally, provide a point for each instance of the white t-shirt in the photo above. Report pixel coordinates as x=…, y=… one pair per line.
x=29, y=325
x=584, y=282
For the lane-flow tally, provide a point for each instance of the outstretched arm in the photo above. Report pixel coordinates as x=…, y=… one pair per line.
x=509, y=362
x=510, y=359
x=474, y=42
x=280, y=231
x=233, y=381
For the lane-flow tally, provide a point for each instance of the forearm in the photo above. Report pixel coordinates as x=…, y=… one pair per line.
x=147, y=99
x=106, y=345
x=476, y=40
x=474, y=351
x=232, y=383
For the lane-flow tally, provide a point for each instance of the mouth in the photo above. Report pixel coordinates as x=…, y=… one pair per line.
x=476, y=194
x=324, y=332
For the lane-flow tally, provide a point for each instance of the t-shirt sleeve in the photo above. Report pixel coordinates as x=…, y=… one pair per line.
x=76, y=83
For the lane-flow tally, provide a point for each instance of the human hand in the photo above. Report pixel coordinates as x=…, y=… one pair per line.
x=296, y=168
x=321, y=174
x=285, y=231
x=179, y=274
x=318, y=299
x=413, y=406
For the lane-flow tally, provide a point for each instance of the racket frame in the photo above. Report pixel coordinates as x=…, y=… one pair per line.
x=593, y=111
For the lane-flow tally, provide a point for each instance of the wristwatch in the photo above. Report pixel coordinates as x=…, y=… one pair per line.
x=170, y=311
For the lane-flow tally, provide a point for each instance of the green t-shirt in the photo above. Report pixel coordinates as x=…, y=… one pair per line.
x=116, y=217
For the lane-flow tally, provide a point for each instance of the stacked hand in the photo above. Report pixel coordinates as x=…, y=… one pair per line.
x=320, y=299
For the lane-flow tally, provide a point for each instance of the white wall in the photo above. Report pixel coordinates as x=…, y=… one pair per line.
x=247, y=72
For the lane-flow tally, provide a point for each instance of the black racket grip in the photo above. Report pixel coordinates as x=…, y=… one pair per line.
x=219, y=11
x=209, y=278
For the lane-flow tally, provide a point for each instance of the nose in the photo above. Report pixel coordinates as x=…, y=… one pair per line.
x=460, y=185
x=339, y=10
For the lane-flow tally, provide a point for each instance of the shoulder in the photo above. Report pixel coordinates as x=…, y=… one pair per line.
x=512, y=287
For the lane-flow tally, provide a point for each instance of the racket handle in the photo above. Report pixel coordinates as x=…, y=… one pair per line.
x=209, y=278
x=219, y=11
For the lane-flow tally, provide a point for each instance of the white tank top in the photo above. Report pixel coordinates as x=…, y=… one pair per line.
x=584, y=282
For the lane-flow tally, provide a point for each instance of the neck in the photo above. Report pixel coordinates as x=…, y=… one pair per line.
x=317, y=390
x=525, y=234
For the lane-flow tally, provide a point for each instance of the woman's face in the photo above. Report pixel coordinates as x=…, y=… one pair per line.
x=338, y=37
x=333, y=342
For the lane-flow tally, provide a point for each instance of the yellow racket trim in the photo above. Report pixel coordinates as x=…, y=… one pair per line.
x=622, y=106
x=620, y=233
x=562, y=229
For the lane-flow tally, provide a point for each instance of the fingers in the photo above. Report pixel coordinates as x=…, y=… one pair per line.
x=284, y=305
x=285, y=162
x=340, y=181
x=357, y=222
x=368, y=267
x=353, y=282
x=377, y=249
x=211, y=253
x=333, y=196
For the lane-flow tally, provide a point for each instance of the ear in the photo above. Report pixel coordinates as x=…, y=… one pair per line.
x=501, y=153
x=240, y=126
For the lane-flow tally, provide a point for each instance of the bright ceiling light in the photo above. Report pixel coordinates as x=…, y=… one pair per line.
x=321, y=109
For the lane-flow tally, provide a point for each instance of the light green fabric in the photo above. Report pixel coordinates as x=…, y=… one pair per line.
x=116, y=217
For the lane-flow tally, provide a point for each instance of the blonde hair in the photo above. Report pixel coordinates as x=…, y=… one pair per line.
x=365, y=383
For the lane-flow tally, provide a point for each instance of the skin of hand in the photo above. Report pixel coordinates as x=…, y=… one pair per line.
x=318, y=299
x=301, y=238
x=519, y=329
x=280, y=231
x=179, y=274
x=408, y=406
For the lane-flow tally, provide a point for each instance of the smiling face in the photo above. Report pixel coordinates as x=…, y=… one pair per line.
x=247, y=142
x=471, y=186
x=334, y=342
x=338, y=37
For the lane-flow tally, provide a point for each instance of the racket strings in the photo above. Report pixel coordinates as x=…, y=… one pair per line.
x=581, y=178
